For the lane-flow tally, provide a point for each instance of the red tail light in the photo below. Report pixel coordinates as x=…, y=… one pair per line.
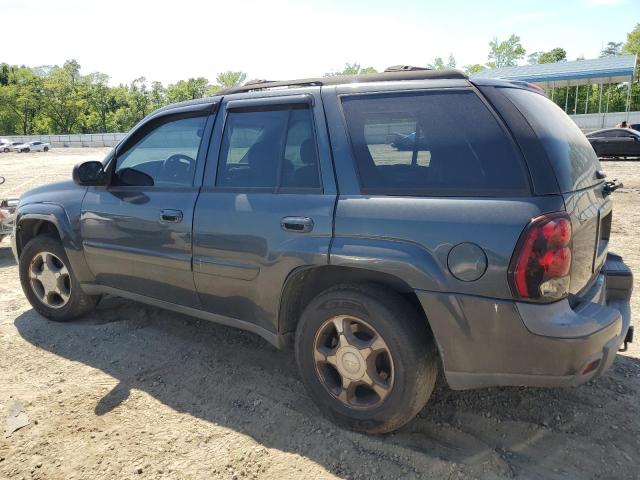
x=541, y=264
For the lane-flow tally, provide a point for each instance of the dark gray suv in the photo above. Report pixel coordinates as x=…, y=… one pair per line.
x=387, y=225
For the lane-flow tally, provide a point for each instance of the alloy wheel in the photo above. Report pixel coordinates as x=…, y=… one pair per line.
x=50, y=280
x=353, y=362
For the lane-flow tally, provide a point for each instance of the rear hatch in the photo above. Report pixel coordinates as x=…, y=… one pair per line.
x=576, y=168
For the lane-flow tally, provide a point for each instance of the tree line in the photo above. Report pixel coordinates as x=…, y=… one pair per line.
x=59, y=99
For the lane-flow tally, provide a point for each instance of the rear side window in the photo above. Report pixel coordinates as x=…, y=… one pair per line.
x=269, y=148
x=609, y=134
x=624, y=134
x=572, y=156
x=431, y=143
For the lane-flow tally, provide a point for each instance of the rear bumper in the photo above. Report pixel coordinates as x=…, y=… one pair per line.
x=486, y=342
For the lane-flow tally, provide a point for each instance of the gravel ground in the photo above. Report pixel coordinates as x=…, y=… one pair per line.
x=131, y=391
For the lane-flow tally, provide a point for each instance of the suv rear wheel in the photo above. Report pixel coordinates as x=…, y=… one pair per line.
x=48, y=281
x=366, y=357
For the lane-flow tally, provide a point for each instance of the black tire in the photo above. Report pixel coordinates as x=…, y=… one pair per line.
x=410, y=345
x=26, y=150
x=46, y=149
x=78, y=302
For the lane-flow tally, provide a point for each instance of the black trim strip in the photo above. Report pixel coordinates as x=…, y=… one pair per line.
x=273, y=338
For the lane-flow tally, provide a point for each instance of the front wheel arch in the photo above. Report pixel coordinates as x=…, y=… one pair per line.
x=30, y=228
x=77, y=302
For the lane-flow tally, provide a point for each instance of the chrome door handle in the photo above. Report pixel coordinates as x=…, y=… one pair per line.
x=171, y=216
x=297, y=224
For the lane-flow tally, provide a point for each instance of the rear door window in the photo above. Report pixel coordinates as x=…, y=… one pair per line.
x=573, y=159
x=431, y=143
x=270, y=148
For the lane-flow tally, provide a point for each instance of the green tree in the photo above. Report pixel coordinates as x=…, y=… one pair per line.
x=139, y=100
x=612, y=49
x=20, y=101
x=5, y=71
x=439, y=63
x=632, y=45
x=552, y=56
x=506, y=53
x=188, y=90
x=473, y=69
x=534, y=58
x=351, y=69
x=65, y=96
x=230, y=79
x=99, y=99
x=158, y=95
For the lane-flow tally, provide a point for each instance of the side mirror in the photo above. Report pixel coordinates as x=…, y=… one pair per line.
x=89, y=174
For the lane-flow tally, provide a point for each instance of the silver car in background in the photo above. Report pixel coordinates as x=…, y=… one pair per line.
x=6, y=146
x=35, y=146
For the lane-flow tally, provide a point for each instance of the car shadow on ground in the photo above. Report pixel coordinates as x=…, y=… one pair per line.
x=237, y=380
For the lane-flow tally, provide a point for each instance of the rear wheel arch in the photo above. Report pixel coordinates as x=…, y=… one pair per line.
x=304, y=284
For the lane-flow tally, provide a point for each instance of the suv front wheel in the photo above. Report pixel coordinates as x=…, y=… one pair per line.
x=366, y=357
x=48, y=281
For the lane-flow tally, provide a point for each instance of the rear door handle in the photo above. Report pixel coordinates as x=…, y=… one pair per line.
x=297, y=224
x=171, y=216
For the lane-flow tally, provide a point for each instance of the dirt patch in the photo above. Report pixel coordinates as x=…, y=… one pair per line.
x=131, y=391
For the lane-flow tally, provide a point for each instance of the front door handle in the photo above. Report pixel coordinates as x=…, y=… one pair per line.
x=171, y=216
x=297, y=224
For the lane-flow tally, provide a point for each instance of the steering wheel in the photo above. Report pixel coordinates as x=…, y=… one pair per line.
x=177, y=168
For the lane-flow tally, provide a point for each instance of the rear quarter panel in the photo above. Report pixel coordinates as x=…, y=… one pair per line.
x=411, y=237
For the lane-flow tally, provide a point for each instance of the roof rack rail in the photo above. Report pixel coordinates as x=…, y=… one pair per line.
x=396, y=73
x=405, y=68
x=257, y=81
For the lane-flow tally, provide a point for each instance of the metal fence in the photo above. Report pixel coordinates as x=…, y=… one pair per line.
x=594, y=121
x=77, y=140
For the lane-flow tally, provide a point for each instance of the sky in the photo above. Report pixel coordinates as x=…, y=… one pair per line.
x=280, y=39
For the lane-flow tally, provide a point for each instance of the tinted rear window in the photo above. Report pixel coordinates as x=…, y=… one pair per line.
x=431, y=143
x=571, y=155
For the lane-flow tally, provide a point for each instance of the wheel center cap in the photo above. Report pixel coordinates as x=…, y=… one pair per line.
x=350, y=363
x=48, y=280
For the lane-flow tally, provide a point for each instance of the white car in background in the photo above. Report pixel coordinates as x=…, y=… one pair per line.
x=6, y=145
x=34, y=146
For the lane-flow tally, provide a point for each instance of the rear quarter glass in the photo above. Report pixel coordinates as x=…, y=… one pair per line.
x=571, y=155
x=432, y=143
